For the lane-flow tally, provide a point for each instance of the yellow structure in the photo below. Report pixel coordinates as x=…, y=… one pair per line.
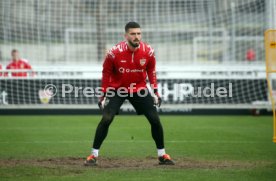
x=270, y=54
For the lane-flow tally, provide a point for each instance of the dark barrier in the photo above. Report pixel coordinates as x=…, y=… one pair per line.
x=75, y=92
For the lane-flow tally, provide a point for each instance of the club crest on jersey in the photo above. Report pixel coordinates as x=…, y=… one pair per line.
x=142, y=62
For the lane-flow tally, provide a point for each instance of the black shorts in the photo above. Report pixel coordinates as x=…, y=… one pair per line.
x=142, y=102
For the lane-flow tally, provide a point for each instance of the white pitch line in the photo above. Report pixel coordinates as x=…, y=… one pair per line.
x=132, y=141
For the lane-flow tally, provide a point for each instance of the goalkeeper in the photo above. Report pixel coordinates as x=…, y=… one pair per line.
x=127, y=65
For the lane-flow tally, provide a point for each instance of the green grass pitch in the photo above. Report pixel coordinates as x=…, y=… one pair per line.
x=213, y=148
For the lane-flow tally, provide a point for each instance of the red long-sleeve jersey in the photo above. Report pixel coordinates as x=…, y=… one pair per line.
x=129, y=69
x=19, y=64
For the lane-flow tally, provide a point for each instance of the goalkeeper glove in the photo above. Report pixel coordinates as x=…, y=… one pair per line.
x=157, y=98
x=101, y=102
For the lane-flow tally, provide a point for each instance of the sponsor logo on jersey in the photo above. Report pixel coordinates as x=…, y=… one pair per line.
x=122, y=70
x=134, y=70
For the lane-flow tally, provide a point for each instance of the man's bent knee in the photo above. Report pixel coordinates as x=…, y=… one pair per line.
x=107, y=119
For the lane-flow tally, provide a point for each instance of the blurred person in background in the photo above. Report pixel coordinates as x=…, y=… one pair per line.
x=250, y=55
x=18, y=63
x=1, y=73
x=0, y=70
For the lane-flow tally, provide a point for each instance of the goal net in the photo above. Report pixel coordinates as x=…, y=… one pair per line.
x=198, y=44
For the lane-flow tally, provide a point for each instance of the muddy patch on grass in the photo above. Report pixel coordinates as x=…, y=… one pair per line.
x=129, y=163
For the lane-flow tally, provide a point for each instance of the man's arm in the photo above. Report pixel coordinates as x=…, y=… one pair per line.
x=107, y=71
x=28, y=66
x=6, y=74
x=151, y=71
x=106, y=74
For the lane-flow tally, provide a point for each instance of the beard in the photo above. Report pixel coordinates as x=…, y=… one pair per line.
x=133, y=44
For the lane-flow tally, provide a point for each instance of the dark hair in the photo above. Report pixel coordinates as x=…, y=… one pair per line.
x=14, y=50
x=131, y=24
